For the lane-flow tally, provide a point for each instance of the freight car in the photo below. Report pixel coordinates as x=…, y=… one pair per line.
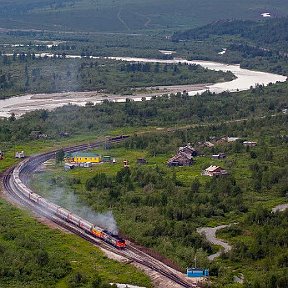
x=65, y=214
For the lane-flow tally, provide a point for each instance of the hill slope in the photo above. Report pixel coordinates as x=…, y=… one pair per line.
x=129, y=15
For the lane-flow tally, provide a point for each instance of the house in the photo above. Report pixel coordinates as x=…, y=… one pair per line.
x=82, y=157
x=214, y=171
x=20, y=154
x=181, y=159
x=141, y=161
x=219, y=156
x=125, y=163
x=249, y=143
x=188, y=150
x=37, y=135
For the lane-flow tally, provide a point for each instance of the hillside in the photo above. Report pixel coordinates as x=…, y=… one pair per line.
x=271, y=32
x=129, y=15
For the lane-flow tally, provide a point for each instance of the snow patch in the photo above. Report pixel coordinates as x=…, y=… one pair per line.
x=266, y=14
x=223, y=51
x=167, y=52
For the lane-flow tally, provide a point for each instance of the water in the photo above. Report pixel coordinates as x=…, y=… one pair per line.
x=245, y=79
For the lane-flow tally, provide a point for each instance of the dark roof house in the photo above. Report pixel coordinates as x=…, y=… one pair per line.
x=181, y=159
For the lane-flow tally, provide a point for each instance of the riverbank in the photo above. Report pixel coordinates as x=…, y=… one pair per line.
x=245, y=79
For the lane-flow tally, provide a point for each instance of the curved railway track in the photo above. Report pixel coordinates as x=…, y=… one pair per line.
x=131, y=253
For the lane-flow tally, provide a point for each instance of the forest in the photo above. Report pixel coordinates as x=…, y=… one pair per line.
x=23, y=73
x=174, y=110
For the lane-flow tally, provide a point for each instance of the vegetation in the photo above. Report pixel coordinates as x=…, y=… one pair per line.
x=160, y=111
x=260, y=45
x=261, y=242
x=27, y=74
x=161, y=207
x=33, y=255
x=157, y=206
x=127, y=15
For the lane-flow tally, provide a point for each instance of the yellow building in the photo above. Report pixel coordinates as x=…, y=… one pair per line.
x=83, y=157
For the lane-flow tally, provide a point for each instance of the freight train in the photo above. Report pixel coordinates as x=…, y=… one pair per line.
x=65, y=214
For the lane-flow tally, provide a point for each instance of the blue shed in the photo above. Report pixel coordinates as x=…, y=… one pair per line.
x=197, y=272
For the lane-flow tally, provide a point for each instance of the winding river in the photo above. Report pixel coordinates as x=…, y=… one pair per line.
x=245, y=79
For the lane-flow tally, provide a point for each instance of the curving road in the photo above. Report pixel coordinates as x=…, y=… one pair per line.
x=210, y=235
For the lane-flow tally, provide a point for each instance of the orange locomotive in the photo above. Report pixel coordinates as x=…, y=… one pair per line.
x=108, y=237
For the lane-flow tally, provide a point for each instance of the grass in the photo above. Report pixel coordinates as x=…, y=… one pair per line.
x=82, y=256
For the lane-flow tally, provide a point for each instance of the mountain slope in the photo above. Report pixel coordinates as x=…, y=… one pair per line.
x=129, y=15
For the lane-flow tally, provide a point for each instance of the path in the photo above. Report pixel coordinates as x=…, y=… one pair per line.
x=210, y=235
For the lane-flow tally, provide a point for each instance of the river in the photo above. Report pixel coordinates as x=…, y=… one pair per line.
x=245, y=79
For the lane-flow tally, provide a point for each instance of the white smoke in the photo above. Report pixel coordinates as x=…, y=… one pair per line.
x=67, y=199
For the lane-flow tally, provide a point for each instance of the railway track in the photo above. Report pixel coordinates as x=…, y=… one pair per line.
x=131, y=253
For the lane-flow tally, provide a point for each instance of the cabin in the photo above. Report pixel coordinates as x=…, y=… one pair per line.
x=249, y=143
x=197, y=272
x=82, y=157
x=214, y=171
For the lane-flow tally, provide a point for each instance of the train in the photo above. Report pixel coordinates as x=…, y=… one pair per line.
x=65, y=214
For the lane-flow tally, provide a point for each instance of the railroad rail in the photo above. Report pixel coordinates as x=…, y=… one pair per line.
x=131, y=253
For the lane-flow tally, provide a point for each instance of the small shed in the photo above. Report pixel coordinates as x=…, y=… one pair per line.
x=68, y=166
x=87, y=164
x=249, y=143
x=141, y=161
x=219, y=156
x=197, y=272
x=106, y=158
x=20, y=154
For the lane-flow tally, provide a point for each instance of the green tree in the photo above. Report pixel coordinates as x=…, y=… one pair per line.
x=60, y=156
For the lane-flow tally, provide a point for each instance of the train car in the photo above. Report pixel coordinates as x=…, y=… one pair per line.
x=63, y=213
x=87, y=226
x=35, y=197
x=51, y=207
x=74, y=219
